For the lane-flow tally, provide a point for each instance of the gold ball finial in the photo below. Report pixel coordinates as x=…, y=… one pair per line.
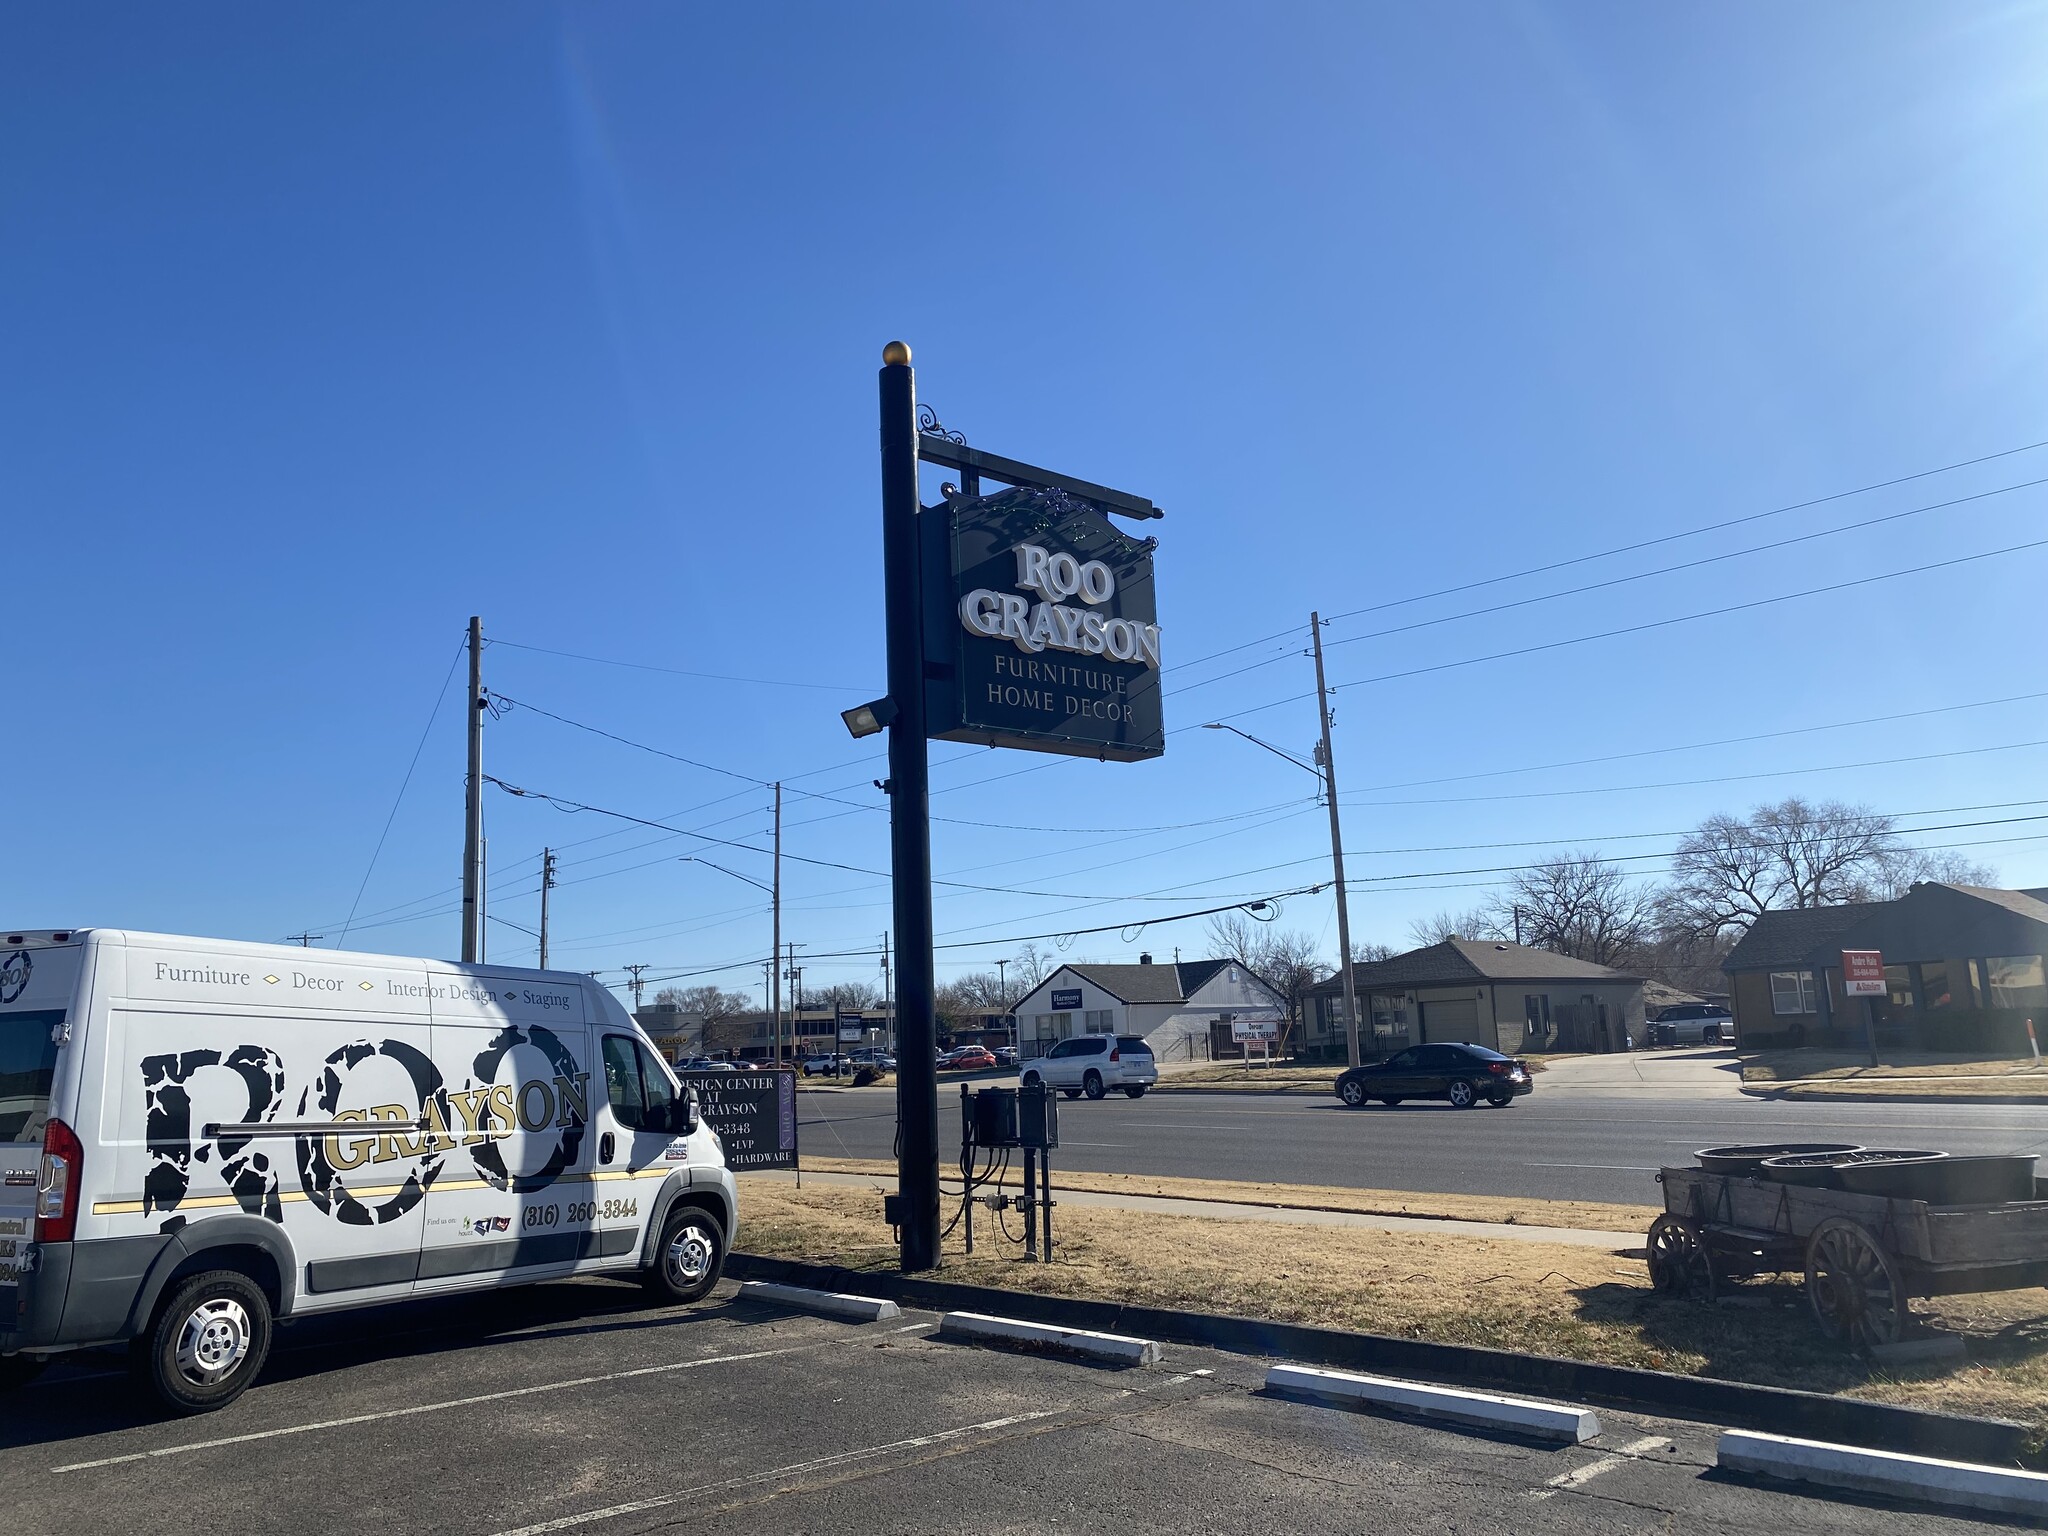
x=897, y=354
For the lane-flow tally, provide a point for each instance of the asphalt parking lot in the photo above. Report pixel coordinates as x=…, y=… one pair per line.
x=575, y=1407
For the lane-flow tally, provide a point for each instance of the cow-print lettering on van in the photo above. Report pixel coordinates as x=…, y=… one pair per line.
x=248, y=1173
x=323, y=1159
x=537, y=1103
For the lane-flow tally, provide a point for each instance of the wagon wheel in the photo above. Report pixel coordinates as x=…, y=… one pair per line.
x=1679, y=1262
x=1856, y=1290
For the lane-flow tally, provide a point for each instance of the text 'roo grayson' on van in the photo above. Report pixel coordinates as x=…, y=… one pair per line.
x=199, y=1136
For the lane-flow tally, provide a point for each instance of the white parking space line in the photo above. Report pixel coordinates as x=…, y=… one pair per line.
x=913, y=1328
x=793, y=1469
x=401, y=1413
x=1578, y=1477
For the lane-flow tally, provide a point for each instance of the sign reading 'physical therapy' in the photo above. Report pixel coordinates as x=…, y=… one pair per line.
x=1048, y=638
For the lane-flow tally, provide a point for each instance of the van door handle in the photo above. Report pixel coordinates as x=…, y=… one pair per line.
x=604, y=1147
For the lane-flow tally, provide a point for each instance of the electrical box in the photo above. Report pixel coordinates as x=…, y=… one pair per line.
x=995, y=1117
x=1038, y=1120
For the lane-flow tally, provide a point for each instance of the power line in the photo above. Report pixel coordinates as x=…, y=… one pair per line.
x=1619, y=581
x=399, y=800
x=561, y=803
x=643, y=666
x=1623, y=549
x=1637, y=629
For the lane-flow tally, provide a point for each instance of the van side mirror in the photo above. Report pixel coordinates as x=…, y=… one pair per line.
x=686, y=1111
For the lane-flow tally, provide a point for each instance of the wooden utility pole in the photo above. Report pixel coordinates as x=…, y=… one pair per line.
x=775, y=961
x=1328, y=764
x=473, y=806
x=547, y=883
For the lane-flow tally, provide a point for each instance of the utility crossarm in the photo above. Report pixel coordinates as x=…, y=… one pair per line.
x=934, y=449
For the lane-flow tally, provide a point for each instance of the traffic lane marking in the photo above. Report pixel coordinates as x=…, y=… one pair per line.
x=1079, y=1412
x=1578, y=1477
x=792, y=1469
x=419, y=1408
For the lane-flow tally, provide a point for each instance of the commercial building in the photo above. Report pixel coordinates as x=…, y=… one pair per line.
x=1184, y=1010
x=1508, y=997
x=1963, y=972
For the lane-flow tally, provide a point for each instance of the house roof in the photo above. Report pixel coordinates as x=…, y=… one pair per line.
x=1457, y=961
x=1788, y=936
x=2027, y=904
x=1174, y=983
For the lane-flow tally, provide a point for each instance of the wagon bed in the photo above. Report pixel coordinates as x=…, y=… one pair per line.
x=1864, y=1256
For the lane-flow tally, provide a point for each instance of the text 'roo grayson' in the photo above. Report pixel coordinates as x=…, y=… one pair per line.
x=482, y=1114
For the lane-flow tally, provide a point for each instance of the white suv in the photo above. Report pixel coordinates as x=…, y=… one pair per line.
x=1094, y=1064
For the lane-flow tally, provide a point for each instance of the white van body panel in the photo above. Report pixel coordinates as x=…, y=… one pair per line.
x=381, y=1126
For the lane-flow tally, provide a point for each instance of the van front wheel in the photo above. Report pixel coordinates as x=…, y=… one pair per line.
x=210, y=1340
x=689, y=1258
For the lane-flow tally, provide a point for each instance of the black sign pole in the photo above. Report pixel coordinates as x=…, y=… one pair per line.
x=910, y=846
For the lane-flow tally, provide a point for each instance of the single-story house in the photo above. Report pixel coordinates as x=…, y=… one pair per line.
x=1488, y=992
x=1963, y=970
x=1184, y=1010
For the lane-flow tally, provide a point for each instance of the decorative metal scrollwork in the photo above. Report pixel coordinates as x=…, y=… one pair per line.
x=929, y=424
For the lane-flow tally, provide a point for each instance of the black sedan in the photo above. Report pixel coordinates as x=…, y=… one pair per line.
x=1463, y=1074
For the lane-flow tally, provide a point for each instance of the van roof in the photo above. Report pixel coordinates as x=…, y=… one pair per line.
x=143, y=939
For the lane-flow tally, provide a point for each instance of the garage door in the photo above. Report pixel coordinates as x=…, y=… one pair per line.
x=1456, y=1019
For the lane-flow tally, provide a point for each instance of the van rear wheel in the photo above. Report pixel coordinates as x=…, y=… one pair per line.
x=20, y=1370
x=689, y=1258
x=208, y=1343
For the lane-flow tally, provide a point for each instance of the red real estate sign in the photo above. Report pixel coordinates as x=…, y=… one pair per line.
x=1862, y=973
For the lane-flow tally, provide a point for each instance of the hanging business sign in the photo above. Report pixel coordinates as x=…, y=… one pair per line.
x=1041, y=630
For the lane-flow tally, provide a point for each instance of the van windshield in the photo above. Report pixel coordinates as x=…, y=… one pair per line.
x=28, y=1060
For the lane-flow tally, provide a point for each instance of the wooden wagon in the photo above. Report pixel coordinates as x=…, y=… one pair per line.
x=1864, y=1256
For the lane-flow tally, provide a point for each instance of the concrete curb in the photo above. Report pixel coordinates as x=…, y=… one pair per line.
x=1116, y=1348
x=1481, y=1410
x=1790, y=1095
x=862, y=1309
x=1848, y=1420
x=1923, y=1479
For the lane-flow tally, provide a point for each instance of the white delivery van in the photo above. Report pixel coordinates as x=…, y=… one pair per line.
x=199, y=1136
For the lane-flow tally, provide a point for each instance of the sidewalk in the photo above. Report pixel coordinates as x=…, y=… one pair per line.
x=1221, y=1210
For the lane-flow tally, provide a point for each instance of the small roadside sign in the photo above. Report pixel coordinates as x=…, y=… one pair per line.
x=1242, y=1030
x=852, y=1026
x=1862, y=973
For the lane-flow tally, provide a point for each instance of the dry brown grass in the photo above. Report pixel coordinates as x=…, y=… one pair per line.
x=1811, y=1064
x=1585, y=1304
x=1919, y=1088
x=1590, y=1215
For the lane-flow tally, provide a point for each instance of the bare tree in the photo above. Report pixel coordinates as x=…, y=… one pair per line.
x=1030, y=967
x=1908, y=867
x=848, y=995
x=1793, y=854
x=1478, y=923
x=1580, y=905
x=1366, y=951
x=1285, y=960
x=723, y=1014
x=986, y=992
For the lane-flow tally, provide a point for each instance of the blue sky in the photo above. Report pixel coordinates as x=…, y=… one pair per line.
x=322, y=329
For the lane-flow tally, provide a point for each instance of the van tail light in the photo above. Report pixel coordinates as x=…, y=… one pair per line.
x=57, y=1184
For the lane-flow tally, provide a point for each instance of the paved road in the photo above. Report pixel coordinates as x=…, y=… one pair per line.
x=571, y=1408
x=1593, y=1130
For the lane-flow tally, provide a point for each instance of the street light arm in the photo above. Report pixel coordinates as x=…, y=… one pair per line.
x=1217, y=725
